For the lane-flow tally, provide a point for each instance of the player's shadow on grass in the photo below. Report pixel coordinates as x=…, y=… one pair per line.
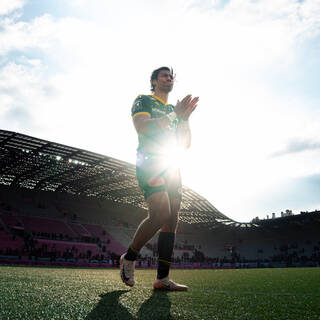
x=157, y=307
x=109, y=307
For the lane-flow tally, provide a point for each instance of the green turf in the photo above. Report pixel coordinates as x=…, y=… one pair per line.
x=62, y=293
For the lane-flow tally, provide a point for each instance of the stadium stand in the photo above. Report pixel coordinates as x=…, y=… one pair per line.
x=80, y=230
x=8, y=241
x=54, y=227
x=62, y=204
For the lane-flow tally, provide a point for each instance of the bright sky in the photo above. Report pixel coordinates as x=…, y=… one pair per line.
x=70, y=70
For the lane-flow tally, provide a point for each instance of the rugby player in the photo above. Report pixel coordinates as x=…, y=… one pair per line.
x=162, y=128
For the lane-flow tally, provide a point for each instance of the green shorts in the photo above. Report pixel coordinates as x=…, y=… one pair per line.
x=153, y=176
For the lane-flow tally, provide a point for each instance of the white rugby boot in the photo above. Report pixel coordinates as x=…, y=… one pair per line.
x=127, y=271
x=168, y=285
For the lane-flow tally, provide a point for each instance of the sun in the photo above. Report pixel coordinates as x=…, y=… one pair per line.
x=172, y=156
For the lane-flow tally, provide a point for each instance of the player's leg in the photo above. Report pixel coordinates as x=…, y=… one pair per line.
x=165, y=249
x=167, y=236
x=159, y=212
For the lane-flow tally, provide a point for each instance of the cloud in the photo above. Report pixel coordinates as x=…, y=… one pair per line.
x=23, y=90
x=59, y=71
x=297, y=146
x=296, y=17
x=16, y=80
x=41, y=33
x=34, y=58
x=18, y=116
x=205, y=5
x=7, y=6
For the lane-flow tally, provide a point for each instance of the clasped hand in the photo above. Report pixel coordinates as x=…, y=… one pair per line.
x=184, y=108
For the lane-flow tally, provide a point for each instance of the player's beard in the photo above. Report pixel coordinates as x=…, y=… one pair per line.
x=167, y=88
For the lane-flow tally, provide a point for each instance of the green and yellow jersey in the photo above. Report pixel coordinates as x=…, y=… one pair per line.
x=158, y=143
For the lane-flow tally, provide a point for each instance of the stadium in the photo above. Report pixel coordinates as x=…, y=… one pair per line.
x=60, y=204
x=76, y=216
x=65, y=207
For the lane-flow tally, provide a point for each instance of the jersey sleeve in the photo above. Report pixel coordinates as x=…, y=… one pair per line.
x=140, y=107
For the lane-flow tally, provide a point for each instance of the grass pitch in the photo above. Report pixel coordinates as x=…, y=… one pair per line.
x=63, y=293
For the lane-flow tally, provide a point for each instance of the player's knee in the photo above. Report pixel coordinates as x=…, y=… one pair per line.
x=159, y=208
x=159, y=217
x=174, y=220
x=170, y=226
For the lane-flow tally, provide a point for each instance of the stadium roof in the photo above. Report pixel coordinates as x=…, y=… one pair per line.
x=298, y=221
x=33, y=163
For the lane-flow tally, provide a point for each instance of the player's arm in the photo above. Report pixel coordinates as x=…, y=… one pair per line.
x=184, y=134
x=146, y=126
